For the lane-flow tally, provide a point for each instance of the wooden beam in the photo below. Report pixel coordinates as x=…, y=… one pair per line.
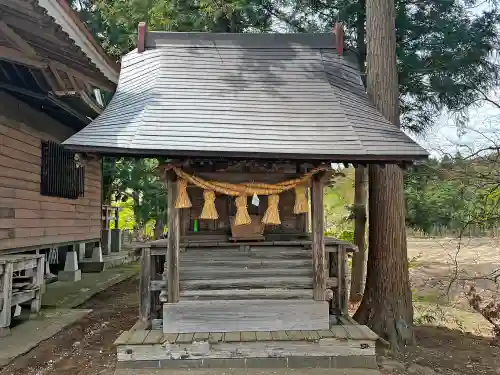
x=17, y=57
x=82, y=76
x=36, y=74
x=50, y=80
x=55, y=72
x=72, y=80
x=17, y=40
x=173, y=240
x=318, y=238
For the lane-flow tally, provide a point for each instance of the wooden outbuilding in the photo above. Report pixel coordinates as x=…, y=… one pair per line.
x=249, y=125
x=54, y=79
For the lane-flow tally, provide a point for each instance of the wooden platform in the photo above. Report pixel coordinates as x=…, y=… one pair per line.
x=210, y=240
x=341, y=346
x=245, y=315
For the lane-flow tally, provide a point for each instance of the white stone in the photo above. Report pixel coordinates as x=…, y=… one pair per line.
x=71, y=263
x=97, y=254
x=71, y=271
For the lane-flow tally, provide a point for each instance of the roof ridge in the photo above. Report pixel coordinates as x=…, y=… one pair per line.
x=158, y=39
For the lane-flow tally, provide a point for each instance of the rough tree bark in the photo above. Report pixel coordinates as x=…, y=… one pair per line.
x=358, y=274
x=386, y=306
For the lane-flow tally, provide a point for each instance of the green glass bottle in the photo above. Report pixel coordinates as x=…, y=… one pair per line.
x=196, y=225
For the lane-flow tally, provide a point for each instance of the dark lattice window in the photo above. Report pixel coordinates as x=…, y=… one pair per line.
x=61, y=177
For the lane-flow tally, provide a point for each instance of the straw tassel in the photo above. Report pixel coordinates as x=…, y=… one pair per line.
x=209, y=211
x=242, y=217
x=272, y=215
x=183, y=200
x=301, y=203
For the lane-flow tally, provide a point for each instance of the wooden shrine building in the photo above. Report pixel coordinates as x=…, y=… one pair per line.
x=249, y=125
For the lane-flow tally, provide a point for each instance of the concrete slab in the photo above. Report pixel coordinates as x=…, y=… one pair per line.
x=70, y=295
x=29, y=334
x=273, y=371
x=118, y=259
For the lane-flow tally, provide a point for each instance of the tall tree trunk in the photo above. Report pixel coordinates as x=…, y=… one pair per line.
x=386, y=306
x=358, y=273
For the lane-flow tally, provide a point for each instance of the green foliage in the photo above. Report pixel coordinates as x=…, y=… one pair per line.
x=338, y=198
x=115, y=22
x=443, y=49
x=134, y=185
x=454, y=194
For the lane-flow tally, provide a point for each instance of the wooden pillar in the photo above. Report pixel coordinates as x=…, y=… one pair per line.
x=173, y=240
x=117, y=216
x=145, y=287
x=318, y=238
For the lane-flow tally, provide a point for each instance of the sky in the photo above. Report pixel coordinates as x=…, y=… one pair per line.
x=447, y=137
x=482, y=129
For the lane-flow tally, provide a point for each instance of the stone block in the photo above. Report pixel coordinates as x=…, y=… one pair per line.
x=138, y=364
x=355, y=361
x=71, y=263
x=92, y=267
x=69, y=275
x=266, y=362
x=224, y=363
x=116, y=240
x=97, y=254
x=309, y=362
x=105, y=241
x=181, y=363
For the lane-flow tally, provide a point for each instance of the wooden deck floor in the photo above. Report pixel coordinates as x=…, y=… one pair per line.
x=341, y=331
x=344, y=345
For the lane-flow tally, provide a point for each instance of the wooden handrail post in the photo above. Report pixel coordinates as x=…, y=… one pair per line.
x=173, y=240
x=145, y=287
x=318, y=238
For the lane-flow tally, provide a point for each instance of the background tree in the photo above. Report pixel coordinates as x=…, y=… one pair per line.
x=137, y=182
x=387, y=305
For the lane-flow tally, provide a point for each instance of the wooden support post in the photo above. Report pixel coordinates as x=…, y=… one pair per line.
x=318, y=238
x=341, y=272
x=36, y=303
x=173, y=240
x=5, y=312
x=145, y=287
x=117, y=217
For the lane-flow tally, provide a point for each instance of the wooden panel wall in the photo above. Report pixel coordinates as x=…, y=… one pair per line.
x=253, y=272
x=28, y=219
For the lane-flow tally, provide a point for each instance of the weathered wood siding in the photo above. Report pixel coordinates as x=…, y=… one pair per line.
x=28, y=219
x=262, y=272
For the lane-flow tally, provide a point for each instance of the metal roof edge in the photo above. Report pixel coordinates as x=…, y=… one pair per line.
x=121, y=151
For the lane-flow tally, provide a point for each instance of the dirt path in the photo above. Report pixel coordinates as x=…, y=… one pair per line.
x=86, y=347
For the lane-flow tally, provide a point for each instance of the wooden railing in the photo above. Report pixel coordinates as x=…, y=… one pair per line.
x=152, y=281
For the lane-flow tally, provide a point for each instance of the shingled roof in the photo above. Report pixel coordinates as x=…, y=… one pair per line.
x=243, y=95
